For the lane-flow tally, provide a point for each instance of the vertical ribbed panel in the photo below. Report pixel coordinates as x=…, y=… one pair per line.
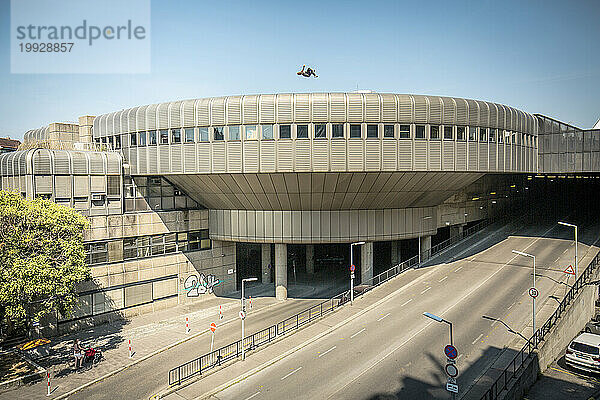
x=355, y=107
x=130, y=120
x=285, y=156
x=176, y=165
x=320, y=155
x=250, y=109
x=284, y=108
x=267, y=109
x=80, y=163
x=435, y=155
x=61, y=163
x=338, y=155
x=110, y=124
x=435, y=110
x=493, y=164
x=96, y=164
x=493, y=117
x=404, y=108
x=162, y=112
x=461, y=156
x=132, y=159
x=472, y=112
x=509, y=118
x=234, y=157
x=338, y=107
x=250, y=149
x=389, y=155
x=500, y=157
x=420, y=162
x=203, y=112
x=152, y=159
x=420, y=109
x=267, y=155
x=234, y=110
x=302, y=155
x=473, y=159
x=448, y=111
x=356, y=155
x=122, y=121
x=484, y=114
x=319, y=107
x=219, y=159
x=373, y=155
x=164, y=159
x=372, y=113
x=204, y=157
x=189, y=158
x=501, y=117
x=448, y=155
x=405, y=157
x=188, y=113
x=151, y=116
x=142, y=158
x=389, y=108
x=461, y=111
x=483, y=157
x=302, y=108
x=217, y=111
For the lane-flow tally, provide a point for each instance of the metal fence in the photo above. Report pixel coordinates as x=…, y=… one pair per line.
x=231, y=351
x=515, y=367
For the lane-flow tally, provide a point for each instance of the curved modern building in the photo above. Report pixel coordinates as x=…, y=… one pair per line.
x=274, y=170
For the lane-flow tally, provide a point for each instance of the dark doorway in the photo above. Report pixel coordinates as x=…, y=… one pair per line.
x=248, y=260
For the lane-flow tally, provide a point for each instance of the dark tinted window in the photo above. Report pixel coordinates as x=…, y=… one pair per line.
x=133, y=139
x=337, y=130
x=372, y=131
x=176, y=136
x=434, y=132
x=404, y=131
x=388, y=131
x=302, y=132
x=420, y=132
x=448, y=135
x=285, y=131
x=585, y=348
x=320, y=131
x=219, y=135
x=355, y=131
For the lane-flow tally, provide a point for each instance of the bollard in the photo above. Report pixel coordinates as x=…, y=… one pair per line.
x=220, y=312
x=48, y=376
x=251, y=302
x=187, y=325
x=130, y=348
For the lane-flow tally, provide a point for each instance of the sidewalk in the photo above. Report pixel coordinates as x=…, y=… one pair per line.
x=150, y=334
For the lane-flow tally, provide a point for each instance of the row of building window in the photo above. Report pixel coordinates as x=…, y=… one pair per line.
x=145, y=246
x=319, y=131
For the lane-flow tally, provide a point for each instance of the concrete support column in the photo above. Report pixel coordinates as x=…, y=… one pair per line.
x=425, y=247
x=281, y=271
x=395, y=259
x=366, y=261
x=456, y=230
x=310, y=259
x=266, y=262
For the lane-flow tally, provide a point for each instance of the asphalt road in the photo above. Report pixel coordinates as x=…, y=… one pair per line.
x=395, y=352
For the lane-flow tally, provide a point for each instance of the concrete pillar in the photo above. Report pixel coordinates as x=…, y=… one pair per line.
x=281, y=271
x=266, y=262
x=310, y=259
x=366, y=262
x=456, y=230
x=395, y=259
x=425, y=247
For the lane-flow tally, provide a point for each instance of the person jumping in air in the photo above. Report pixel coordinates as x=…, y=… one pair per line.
x=309, y=71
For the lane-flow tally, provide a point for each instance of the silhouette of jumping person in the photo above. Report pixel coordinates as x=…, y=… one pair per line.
x=309, y=71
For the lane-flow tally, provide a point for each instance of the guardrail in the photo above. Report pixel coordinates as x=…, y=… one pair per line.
x=518, y=362
x=233, y=350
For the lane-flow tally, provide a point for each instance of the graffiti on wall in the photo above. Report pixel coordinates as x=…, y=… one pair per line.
x=197, y=285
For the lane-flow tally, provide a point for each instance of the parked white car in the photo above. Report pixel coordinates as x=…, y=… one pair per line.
x=584, y=353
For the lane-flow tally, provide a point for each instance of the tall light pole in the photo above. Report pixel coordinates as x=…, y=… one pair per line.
x=244, y=313
x=351, y=271
x=573, y=226
x=420, y=232
x=440, y=319
x=532, y=297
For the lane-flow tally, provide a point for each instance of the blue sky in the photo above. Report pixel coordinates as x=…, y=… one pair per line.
x=538, y=56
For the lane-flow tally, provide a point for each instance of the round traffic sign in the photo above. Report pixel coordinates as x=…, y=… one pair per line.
x=352, y=268
x=533, y=292
x=213, y=327
x=451, y=352
x=242, y=315
x=451, y=370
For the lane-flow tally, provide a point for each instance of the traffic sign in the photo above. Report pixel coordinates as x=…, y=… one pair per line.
x=213, y=327
x=569, y=270
x=452, y=387
x=533, y=292
x=242, y=315
x=451, y=370
x=451, y=352
x=352, y=268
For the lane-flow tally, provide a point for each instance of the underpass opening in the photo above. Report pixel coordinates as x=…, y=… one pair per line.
x=248, y=262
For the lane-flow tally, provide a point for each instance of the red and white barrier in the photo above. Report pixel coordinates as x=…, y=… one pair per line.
x=251, y=302
x=130, y=354
x=187, y=325
x=48, y=375
x=220, y=312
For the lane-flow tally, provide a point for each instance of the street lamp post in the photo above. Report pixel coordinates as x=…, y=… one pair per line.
x=532, y=297
x=440, y=319
x=244, y=311
x=420, y=232
x=573, y=226
x=352, y=272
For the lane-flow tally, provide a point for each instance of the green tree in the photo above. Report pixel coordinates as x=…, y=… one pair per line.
x=41, y=258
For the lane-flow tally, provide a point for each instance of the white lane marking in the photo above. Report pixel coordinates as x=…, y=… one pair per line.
x=361, y=331
x=565, y=251
x=291, y=373
x=458, y=269
x=385, y=316
x=443, y=279
x=254, y=395
x=495, y=322
x=511, y=305
x=478, y=337
x=459, y=356
x=429, y=287
x=405, y=303
x=557, y=258
x=322, y=354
